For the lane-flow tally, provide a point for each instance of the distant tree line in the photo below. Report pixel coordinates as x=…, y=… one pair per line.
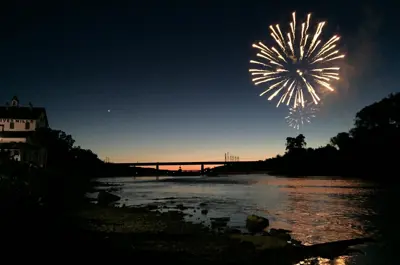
x=369, y=150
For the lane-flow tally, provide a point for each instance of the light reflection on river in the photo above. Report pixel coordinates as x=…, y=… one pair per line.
x=317, y=209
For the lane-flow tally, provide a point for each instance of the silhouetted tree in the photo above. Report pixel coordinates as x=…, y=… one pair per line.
x=366, y=150
x=341, y=141
x=295, y=143
x=62, y=154
x=379, y=123
x=58, y=145
x=376, y=135
x=290, y=143
x=383, y=114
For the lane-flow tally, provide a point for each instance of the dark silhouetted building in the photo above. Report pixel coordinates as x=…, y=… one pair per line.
x=18, y=125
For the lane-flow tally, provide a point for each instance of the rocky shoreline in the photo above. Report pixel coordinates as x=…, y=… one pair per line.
x=164, y=234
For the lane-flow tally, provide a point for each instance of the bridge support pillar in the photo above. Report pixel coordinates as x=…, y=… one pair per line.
x=157, y=170
x=202, y=169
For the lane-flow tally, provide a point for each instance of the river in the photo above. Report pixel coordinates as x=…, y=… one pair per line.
x=315, y=209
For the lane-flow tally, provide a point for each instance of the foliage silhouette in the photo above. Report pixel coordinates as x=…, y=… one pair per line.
x=59, y=187
x=366, y=151
x=295, y=143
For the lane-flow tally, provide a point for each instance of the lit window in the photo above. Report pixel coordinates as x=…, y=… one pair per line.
x=27, y=126
x=11, y=125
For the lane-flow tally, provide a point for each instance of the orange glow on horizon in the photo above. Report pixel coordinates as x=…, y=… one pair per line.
x=213, y=155
x=184, y=168
x=184, y=159
x=176, y=167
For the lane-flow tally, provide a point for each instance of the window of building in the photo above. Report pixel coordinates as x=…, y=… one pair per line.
x=11, y=125
x=27, y=126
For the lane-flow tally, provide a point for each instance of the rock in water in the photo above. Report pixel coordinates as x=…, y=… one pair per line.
x=105, y=198
x=256, y=224
x=281, y=233
x=262, y=242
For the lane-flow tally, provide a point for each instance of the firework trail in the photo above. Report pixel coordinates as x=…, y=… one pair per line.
x=300, y=116
x=299, y=67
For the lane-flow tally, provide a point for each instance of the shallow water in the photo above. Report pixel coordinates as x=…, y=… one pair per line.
x=316, y=210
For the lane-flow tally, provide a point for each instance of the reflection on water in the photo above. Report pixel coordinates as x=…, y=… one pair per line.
x=323, y=210
x=320, y=261
x=316, y=209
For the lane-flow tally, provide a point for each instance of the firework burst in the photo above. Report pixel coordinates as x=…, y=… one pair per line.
x=299, y=67
x=301, y=115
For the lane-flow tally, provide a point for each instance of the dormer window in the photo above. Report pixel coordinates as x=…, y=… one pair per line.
x=15, y=102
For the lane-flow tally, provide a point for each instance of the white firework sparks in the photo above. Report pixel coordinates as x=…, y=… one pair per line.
x=299, y=67
x=300, y=116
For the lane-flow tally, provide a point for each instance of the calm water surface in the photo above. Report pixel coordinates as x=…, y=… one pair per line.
x=317, y=209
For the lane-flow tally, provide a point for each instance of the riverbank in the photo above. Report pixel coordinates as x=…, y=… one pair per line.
x=150, y=234
x=155, y=236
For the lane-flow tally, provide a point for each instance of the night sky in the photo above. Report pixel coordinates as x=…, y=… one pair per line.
x=175, y=73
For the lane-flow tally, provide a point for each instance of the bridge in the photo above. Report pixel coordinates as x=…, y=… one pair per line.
x=200, y=163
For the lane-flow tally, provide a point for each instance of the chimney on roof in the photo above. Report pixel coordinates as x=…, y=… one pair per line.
x=30, y=105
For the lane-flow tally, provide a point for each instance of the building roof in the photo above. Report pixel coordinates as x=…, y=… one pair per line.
x=10, y=112
x=17, y=112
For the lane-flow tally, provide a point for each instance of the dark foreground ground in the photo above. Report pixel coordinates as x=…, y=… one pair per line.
x=104, y=234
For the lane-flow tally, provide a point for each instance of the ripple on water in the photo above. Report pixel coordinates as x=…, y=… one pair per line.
x=315, y=209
